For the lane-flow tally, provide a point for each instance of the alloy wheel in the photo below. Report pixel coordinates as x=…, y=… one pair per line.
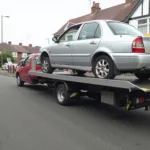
x=102, y=68
x=45, y=66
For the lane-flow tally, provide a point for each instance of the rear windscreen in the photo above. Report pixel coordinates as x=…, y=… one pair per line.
x=119, y=28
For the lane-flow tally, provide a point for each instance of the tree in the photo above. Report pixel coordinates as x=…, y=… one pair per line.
x=4, y=55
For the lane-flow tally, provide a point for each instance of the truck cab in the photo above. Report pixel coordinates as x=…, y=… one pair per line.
x=25, y=66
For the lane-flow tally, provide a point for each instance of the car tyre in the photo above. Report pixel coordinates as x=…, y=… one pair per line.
x=103, y=68
x=63, y=97
x=142, y=76
x=46, y=66
x=19, y=81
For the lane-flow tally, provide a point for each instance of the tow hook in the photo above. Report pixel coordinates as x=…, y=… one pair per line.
x=128, y=106
x=73, y=95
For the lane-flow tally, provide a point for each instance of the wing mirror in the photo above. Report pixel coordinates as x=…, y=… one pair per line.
x=55, y=39
x=22, y=63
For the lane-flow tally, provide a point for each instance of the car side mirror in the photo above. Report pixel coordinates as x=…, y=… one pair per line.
x=22, y=63
x=54, y=39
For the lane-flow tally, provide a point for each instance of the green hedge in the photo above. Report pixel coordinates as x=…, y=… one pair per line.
x=4, y=56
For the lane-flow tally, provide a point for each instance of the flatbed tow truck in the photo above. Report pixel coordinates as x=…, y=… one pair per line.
x=119, y=93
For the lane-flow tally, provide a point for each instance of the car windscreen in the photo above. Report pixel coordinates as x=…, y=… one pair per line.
x=123, y=29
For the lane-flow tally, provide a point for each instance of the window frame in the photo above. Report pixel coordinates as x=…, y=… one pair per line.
x=143, y=24
x=15, y=54
x=29, y=57
x=94, y=33
x=37, y=59
x=22, y=55
x=64, y=34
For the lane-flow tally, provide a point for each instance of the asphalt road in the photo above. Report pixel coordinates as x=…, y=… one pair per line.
x=30, y=119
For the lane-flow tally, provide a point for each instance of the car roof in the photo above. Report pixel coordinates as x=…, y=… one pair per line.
x=94, y=21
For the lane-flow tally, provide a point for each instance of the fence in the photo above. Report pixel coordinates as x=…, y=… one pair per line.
x=11, y=69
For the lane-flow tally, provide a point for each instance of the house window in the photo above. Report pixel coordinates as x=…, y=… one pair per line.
x=24, y=55
x=15, y=54
x=144, y=26
x=70, y=38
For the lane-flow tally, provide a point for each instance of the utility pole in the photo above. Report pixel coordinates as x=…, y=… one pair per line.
x=2, y=35
x=47, y=40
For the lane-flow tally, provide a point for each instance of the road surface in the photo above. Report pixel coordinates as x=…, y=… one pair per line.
x=30, y=119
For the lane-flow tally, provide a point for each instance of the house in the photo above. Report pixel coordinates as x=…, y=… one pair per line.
x=134, y=12
x=19, y=51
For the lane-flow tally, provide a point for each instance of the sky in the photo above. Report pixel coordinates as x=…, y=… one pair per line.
x=33, y=21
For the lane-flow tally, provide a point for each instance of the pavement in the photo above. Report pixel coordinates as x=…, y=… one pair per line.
x=30, y=119
x=4, y=72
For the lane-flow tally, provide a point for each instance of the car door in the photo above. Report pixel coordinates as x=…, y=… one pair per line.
x=61, y=51
x=88, y=41
x=38, y=63
x=26, y=69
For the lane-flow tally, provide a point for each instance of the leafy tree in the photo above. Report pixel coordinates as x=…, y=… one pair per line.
x=4, y=55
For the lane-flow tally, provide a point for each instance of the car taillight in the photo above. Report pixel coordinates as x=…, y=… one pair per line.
x=140, y=100
x=138, y=46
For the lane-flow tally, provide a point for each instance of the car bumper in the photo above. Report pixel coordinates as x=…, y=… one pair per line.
x=132, y=61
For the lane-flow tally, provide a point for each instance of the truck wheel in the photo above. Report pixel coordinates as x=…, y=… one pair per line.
x=103, y=68
x=142, y=76
x=46, y=66
x=19, y=81
x=62, y=94
x=80, y=73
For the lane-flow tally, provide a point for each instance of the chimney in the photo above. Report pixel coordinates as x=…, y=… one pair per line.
x=9, y=42
x=30, y=45
x=95, y=7
x=20, y=44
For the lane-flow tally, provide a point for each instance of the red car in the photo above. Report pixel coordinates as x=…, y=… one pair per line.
x=25, y=66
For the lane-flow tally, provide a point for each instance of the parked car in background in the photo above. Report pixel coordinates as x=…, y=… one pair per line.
x=105, y=47
x=5, y=65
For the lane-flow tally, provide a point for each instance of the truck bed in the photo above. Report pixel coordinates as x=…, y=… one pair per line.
x=122, y=82
x=123, y=91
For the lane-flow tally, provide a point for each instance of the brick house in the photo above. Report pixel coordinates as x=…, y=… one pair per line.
x=19, y=51
x=134, y=12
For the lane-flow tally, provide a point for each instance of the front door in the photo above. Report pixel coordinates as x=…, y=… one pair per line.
x=61, y=52
x=87, y=42
x=26, y=69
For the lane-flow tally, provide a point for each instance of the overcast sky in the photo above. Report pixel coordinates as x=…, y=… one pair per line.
x=32, y=21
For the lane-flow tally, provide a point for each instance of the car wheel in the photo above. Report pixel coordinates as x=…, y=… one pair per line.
x=79, y=72
x=142, y=76
x=46, y=66
x=62, y=94
x=103, y=68
x=19, y=81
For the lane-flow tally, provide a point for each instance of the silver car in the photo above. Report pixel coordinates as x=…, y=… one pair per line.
x=105, y=47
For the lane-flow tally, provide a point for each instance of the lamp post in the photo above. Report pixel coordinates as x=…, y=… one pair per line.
x=47, y=40
x=2, y=35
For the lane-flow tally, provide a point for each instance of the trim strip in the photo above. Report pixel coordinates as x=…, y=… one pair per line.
x=142, y=9
x=57, y=55
x=140, y=17
x=133, y=11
